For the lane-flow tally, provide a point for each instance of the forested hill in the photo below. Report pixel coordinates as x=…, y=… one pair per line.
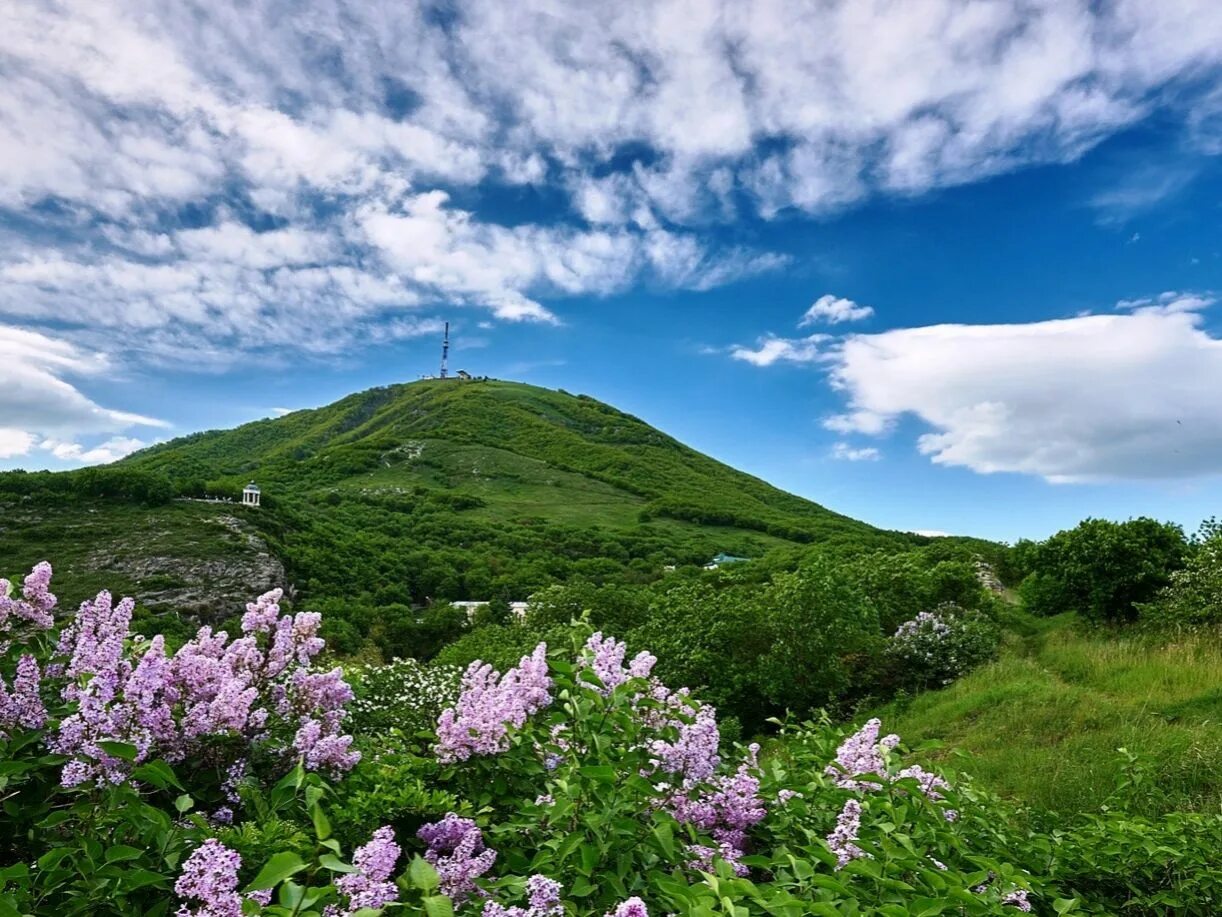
x=433, y=489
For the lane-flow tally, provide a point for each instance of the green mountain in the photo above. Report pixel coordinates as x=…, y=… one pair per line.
x=397, y=495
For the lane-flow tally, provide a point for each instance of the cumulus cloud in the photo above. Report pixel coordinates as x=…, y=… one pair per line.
x=1126, y=395
x=833, y=310
x=41, y=409
x=848, y=453
x=770, y=349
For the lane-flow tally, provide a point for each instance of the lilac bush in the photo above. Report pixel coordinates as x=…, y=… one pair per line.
x=937, y=647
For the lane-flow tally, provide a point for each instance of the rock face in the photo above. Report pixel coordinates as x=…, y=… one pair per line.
x=209, y=588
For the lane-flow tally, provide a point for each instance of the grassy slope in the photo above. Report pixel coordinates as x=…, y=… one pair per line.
x=537, y=451
x=1043, y=723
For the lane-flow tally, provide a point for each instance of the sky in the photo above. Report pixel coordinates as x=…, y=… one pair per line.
x=945, y=266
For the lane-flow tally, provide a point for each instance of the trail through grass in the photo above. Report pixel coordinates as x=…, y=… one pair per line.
x=1044, y=722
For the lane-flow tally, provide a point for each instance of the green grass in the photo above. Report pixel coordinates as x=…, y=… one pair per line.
x=1042, y=725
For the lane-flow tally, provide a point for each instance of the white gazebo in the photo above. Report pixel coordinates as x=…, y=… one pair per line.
x=250, y=494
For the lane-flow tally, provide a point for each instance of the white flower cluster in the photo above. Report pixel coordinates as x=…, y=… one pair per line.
x=404, y=694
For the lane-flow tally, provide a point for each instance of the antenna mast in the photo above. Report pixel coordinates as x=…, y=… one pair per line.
x=445, y=352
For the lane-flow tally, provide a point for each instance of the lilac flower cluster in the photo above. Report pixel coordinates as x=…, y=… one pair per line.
x=927, y=622
x=862, y=753
x=209, y=882
x=726, y=807
x=543, y=895
x=258, y=688
x=371, y=885
x=843, y=840
x=33, y=608
x=490, y=704
x=606, y=658
x=22, y=706
x=456, y=850
x=693, y=754
x=633, y=907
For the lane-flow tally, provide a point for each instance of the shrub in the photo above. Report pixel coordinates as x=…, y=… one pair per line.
x=936, y=647
x=1193, y=598
x=1104, y=570
x=405, y=694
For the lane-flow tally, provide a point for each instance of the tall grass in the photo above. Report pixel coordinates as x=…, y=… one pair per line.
x=1044, y=723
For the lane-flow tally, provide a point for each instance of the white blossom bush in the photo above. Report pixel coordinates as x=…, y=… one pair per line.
x=937, y=647
x=405, y=694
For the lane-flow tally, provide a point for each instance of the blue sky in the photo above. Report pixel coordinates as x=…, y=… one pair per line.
x=947, y=266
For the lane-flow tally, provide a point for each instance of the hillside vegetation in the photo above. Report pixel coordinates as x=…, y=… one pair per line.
x=402, y=495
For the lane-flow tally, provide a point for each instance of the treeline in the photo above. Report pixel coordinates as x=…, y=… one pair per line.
x=1122, y=573
x=107, y=482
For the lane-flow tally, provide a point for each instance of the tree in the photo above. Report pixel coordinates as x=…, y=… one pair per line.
x=1104, y=570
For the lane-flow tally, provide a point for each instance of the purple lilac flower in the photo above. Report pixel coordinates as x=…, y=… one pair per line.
x=212, y=687
x=862, y=753
x=456, y=850
x=371, y=885
x=35, y=605
x=23, y=706
x=692, y=755
x=843, y=839
x=543, y=895
x=784, y=796
x=606, y=658
x=726, y=807
x=490, y=704
x=209, y=882
x=633, y=907
x=1018, y=899
x=701, y=857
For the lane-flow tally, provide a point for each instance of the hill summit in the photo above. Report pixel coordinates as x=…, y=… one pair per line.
x=452, y=489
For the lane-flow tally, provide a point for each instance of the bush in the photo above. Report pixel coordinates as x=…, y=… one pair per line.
x=1194, y=596
x=1104, y=570
x=936, y=647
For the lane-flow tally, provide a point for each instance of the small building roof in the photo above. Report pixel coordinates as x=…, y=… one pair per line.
x=252, y=488
x=728, y=559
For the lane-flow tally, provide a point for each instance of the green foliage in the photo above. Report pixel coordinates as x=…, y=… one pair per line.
x=404, y=694
x=818, y=624
x=1103, y=570
x=1193, y=598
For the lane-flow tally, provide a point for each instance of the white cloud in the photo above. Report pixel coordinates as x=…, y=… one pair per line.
x=847, y=453
x=1095, y=397
x=770, y=350
x=833, y=310
x=292, y=192
x=40, y=406
x=111, y=450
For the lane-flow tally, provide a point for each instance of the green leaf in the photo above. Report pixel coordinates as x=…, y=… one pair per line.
x=602, y=773
x=120, y=853
x=184, y=803
x=322, y=824
x=335, y=864
x=120, y=750
x=423, y=875
x=158, y=774
x=438, y=906
x=276, y=870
